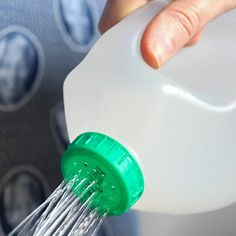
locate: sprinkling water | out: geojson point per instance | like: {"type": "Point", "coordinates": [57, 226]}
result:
{"type": "Point", "coordinates": [100, 177]}
{"type": "Point", "coordinates": [66, 212]}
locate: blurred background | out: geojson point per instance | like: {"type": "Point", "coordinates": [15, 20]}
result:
{"type": "Point", "coordinates": [41, 41]}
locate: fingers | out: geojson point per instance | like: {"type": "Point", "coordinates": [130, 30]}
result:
{"type": "Point", "coordinates": [178, 25]}
{"type": "Point", "coordinates": [115, 10]}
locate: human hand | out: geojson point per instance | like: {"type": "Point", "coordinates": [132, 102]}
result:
{"type": "Point", "coordinates": [180, 24]}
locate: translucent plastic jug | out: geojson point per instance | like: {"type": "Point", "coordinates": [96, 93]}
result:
{"type": "Point", "coordinates": [180, 120]}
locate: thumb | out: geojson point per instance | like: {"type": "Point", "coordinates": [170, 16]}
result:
{"type": "Point", "coordinates": [116, 10]}
{"type": "Point", "coordinates": [176, 25]}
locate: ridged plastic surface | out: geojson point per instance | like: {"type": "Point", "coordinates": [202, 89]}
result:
{"type": "Point", "coordinates": [95, 156]}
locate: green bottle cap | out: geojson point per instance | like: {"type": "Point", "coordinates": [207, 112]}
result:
{"type": "Point", "coordinates": [108, 167]}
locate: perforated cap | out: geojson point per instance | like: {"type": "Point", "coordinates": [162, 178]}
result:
{"type": "Point", "coordinates": [121, 181]}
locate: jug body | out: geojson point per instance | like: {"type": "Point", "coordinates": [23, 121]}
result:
{"type": "Point", "coordinates": [182, 134]}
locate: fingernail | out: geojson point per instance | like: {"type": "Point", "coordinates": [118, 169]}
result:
{"type": "Point", "coordinates": [162, 50]}
{"type": "Point", "coordinates": [151, 59]}
{"type": "Point", "coordinates": [149, 55]}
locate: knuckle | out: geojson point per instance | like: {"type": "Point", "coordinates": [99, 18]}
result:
{"type": "Point", "coordinates": [187, 20]}
{"type": "Point", "coordinates": [101, 27]}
